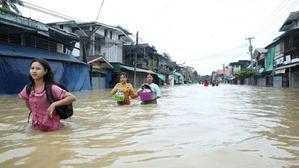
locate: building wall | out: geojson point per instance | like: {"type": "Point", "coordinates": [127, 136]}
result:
{"type": "Point", "coordinates": [32, 41]}
{"type": "Point", "coordinates": [277, 81]}
{"type": "Point", "coordinates": [269, 80]}
{"type": "Point", "coordinates": [294, 80]}
{"type": "Point", "coordinates": [236, 69]}
{"type": "Point", "coordinates": [101, 31]}
{"type": "Point", "coordinates": [250, 81]}
{"type": "Point", "coordinates": [113, 52]}
{"type": "Point", "coordinates": [261, 81]}
{"type": "Point", "coordinates": [98, 82]}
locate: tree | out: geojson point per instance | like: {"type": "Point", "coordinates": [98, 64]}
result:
{"type": "Point", "coordinates": [196, 76]}
{"type": "Point", "coordinates": [11, 5]}
{"type": "Point", "coordinates": [245, 73]}
{"type": "Point", "coordinates": [166, 55]}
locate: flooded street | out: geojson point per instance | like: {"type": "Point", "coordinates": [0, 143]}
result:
{"type": "Point", "coordinates": [192, 126]}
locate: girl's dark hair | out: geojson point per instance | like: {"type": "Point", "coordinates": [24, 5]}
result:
{"type": "Point", "coordinates": [150, 75]}
{"type": "Point", "coordinates": [48, 77]}
{"type": "Point", "coordinates": [124, 74]}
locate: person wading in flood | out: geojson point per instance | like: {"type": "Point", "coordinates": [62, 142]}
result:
{"type": "Point", "coordinates": [44, 117]}
{"type": "Point", "coordinates": [154, 89]}
{"type": "Point", "coordinates": [123, 90]}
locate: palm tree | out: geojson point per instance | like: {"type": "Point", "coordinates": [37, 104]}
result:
{"type": "Point", "coordinates": [10, 5]}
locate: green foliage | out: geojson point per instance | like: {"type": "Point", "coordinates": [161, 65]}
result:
{"type": "Point", "coordinates": [7, 11]}
{"type": "Point", "coordinates": [245, 73]}
{"type": "Point", "coordinates": [11, 5]}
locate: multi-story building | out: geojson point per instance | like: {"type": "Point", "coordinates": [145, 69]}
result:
{"type": "Point", "coordinates": [103, 42]}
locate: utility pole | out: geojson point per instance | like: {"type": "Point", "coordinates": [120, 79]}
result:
{"type": "Point", "coordinates": [135, 60]}
{"type": "Point", "coordinates": [223, 71]}
{"type": "Point", "coordinates": [250, 48]}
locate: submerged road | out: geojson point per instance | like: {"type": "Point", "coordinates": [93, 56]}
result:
{"type": "Point", "coordinates": [192, 126]}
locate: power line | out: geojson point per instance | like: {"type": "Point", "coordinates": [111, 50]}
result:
{"type": "Point", "coordinates": [160, 13]}
{"type": "Point", "coordinates": [277, 14]}
{"type": "Point", "coordinates": [48, 11]}
{"type": "Point", "coordinates": [269, 17]}
{"type": "Point", "coordinates": [232, 51]}
{"type": "Point", "coordinates": [100, 10]}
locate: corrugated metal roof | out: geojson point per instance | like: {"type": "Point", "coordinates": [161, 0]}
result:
{"type": "Point", "coordinates": [289, 21]}
{"type": "Point", "coordinates": [101, 59]}
{"type": "Point", "coordinates": [137, 69]}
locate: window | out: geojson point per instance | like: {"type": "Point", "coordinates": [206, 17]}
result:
{"type": "Point", "coordinates": [52, 46]}
{"type": "Point", "coordinates": [30, 41]}
{"type": "Point", "coordinates": [42, 44]}
{"type": "Point", "coordinates": [3, 36]}
{"type": "Point", "coordinates": [15, 39]}
{"type": "Point", "coordinates": [97, 45]}
{"type": "Point", "coordinates": [59, 48]}
{"type": "Point", "coordinates": [110, 34]}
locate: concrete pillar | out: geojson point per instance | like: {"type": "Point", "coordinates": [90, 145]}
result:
{"type": "Point", "coordinates": [290, 78]}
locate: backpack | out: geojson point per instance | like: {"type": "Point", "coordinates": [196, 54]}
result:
{"type": "Point", "coordinates": [65, 111]}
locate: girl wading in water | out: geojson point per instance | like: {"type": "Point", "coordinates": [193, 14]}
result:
{"type": "Point", "coordinates": [44, 117]}
{"type": "Point", "coordinates": [154, 88]}
{"type": "Point", "coordinates": [123, 90]}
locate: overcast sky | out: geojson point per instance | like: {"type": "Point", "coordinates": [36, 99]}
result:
{"type": "Point", "coordinates": [203, 34]}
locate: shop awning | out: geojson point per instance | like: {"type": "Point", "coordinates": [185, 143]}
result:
{"type": "Point", "coordinates": [281, 71]}
{"type": "Point", "coordinates": [177, 74]}
{"type": "Point", "coordinates": [161, 76]}
{"type": "Point", "coordinates": [229, 78]}
{"type": "Point", "coordinates": [286, 66]}
{"type": "Point", "coordinates": [102, 61]}
{"type": "Point", "coordinates": [137, 69]}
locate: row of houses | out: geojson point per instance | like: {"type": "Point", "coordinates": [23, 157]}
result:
{"type": "Point", "coordinates": [88, 55]}
{"type": "Point", "coordinates": [110, 50]}
{"type": "Point", "coordinates": [278, 63]}
{"type": "Point", "coordinates": [228, 74]}
{"type": "Point", "coordinates": [275, 65]}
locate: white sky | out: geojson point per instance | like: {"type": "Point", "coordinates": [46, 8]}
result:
{"type": "Point", "coordinates": [203, 34]}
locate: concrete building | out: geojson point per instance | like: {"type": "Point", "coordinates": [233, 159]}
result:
{"type": "Point", "coordinates": [99, 41]}
{"type": "Point", "coordinates": [260, 57]}
{"type": "Point", "coordinates": [286, 57]}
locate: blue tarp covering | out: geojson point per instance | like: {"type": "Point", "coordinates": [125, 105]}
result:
{"type": "Point", "coordinates": [229, 78]}
{"type": "Point", "coordinates": [15, 62]}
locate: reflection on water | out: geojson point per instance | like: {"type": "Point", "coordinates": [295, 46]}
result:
{"type": "Point", "coordinates": [192, 126]}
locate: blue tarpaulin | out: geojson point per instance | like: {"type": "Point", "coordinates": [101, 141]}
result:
{"type": "Point", "coordinates": [15, 63]}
